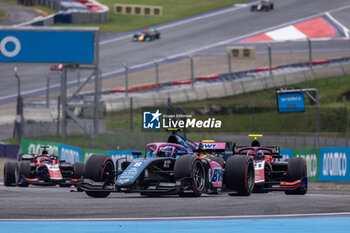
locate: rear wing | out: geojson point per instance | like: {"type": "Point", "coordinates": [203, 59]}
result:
{"type": "Point", "coordinates": [274, 150]}
{"type": "Point", "coordinates": [224, 148]}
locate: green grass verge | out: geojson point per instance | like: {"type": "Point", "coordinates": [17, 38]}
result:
{"type": "Point", "coordinates": [2, 14]}
{"type": "Point", "coordinates": [334, 96]}
{"type": "Point", "coordinates": [41, 9]}
{"type": "Point", "coordinates": [238, 115]}
{"type": "Point", "coordinates": [172, 10]}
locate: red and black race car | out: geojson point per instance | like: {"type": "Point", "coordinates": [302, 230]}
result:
{"type": "Point", "coordinates": [43, 169]}
{"type": "Point", "coordinates": [271, 172]}
{"type": "Point", "coordinates": [147, 35]}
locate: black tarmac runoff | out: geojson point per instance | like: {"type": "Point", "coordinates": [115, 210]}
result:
{"type": "Point", "coordinates": [60, 203]}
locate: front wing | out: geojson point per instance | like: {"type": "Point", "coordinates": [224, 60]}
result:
{"type": "Point", "coordinates": [286, 186]}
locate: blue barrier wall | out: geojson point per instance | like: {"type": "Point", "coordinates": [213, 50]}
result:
{"type": "Point", "coordinates": [9, 151]}
{"type": "Point", "coordinates": [324, 164]}
{"type": "Point", "coordinates": [70, 154]}
{"type": "Point", "coordinates": [334, 164]}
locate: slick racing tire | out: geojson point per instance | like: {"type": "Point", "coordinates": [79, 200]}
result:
{"type": "Point", "coordinates": [296, 171]}
{"type": "Point", "coordinates": [23, 171]}
{"type": "Point", "coordinates": [97, 168]}
{"type": "Point", "coordinates": [78, 170]}
{"type": "Point", "coordinates": [191, 167]}
{"type": "Point", "coordinates": [240, 174]}
{"type": "Point", "coordinates": [10, 173]}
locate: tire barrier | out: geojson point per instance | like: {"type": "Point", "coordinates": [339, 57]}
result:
{"type": "Point", "coordinates": [142, 10]}
{"type": "Point", "coordinates": [241, 52]}
{"type": "Point", "coordinates": [71, 11]}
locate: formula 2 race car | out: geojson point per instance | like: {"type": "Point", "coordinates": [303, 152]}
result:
{"type": "Point", "coordinates": [43, 169]}
{"type": "Point", "coordinates": [273, 174]}
{"type": "Point", "coordinates": [263, 5]}
{"type": "Point", "coordinates": [147, 35]}
{"type": "Point", "coordinates": [168, 168]}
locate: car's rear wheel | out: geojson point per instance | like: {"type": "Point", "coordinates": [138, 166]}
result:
{"type": "Point", "coordinates": [296, 171]}
{"type": "Point", "coordinates": [10, 173]}
{"type": "Point", "coordinates": [78, 170]}
{"type": "Point", "coordinates": [98, 168]}
{"type": "Point", "coordinates": [240, 174]}
{"type": "Point", "coordinates": [190, 168]}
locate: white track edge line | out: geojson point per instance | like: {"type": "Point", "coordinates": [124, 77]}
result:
{"type": "Point", "coordinates": [188, 218]}
{"type": "Point", "coordinates": [345, 29]}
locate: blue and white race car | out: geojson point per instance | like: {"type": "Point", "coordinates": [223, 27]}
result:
{"type": "Point", "coordinates": [172, 167]}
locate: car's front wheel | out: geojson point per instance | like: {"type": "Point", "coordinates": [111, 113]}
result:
{"type": "Point", "coordinates": [98, 168]}
{"type": "Point", "coordinates": [296, 171]}
{"type": "Point", "coordinates": [23, 171]}
{"type": "Point", "coordinates": [10, 173]}
{"type": "Point", "coordinates": [191, 169]}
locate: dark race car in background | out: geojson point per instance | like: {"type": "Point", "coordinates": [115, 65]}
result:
{"type": "Point", "coordinates": [271, 172]}
{"type": "Point", "coordinates": [169, 167]}
{"type": "Point", "coordinates": [264, 5]}
{"type": "Point", "coordinates": [43, 169]}
{"type": "Point", "coordinates": [147, 35]}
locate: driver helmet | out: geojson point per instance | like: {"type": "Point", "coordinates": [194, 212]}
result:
{"type": "Point", "coordinates": [251, 153]}
{"type": "Point", "coordinates": [165, 151]}
{"type": "Point", "coordinates": [150, 154]}
{"type": "Point", "coordinates": [259, 154]}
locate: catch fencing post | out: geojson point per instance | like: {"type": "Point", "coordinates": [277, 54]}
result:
{"type": "Point", "coordinates": [157, 74]}
{"type": "Point", "coordinates": [131, 114]}
{"type": "Point", "coordinates": [270, 63]}
{"type": "Point", "coordinates": [126, 78]}
{"type": "Point", "coordinates": [64, 101]}
{"type": "Point", "coordinates": [229, 64]}
{"type": "Point", "coordinates": [96, 102]}
{"type": "Point", "coordinates": [310, 53]}
{"type": "Point", "coordinates": [19, 112]}
{"type": "Point", "coordinates": [47, 90]}
{"type": "Point", "coordinates": [192, 72]}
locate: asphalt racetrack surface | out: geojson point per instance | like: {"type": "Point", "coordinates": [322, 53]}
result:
{"type": "Point", "coordinates": [59, 203]}
{"type": "Point", "coordinates": [183, 38]}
